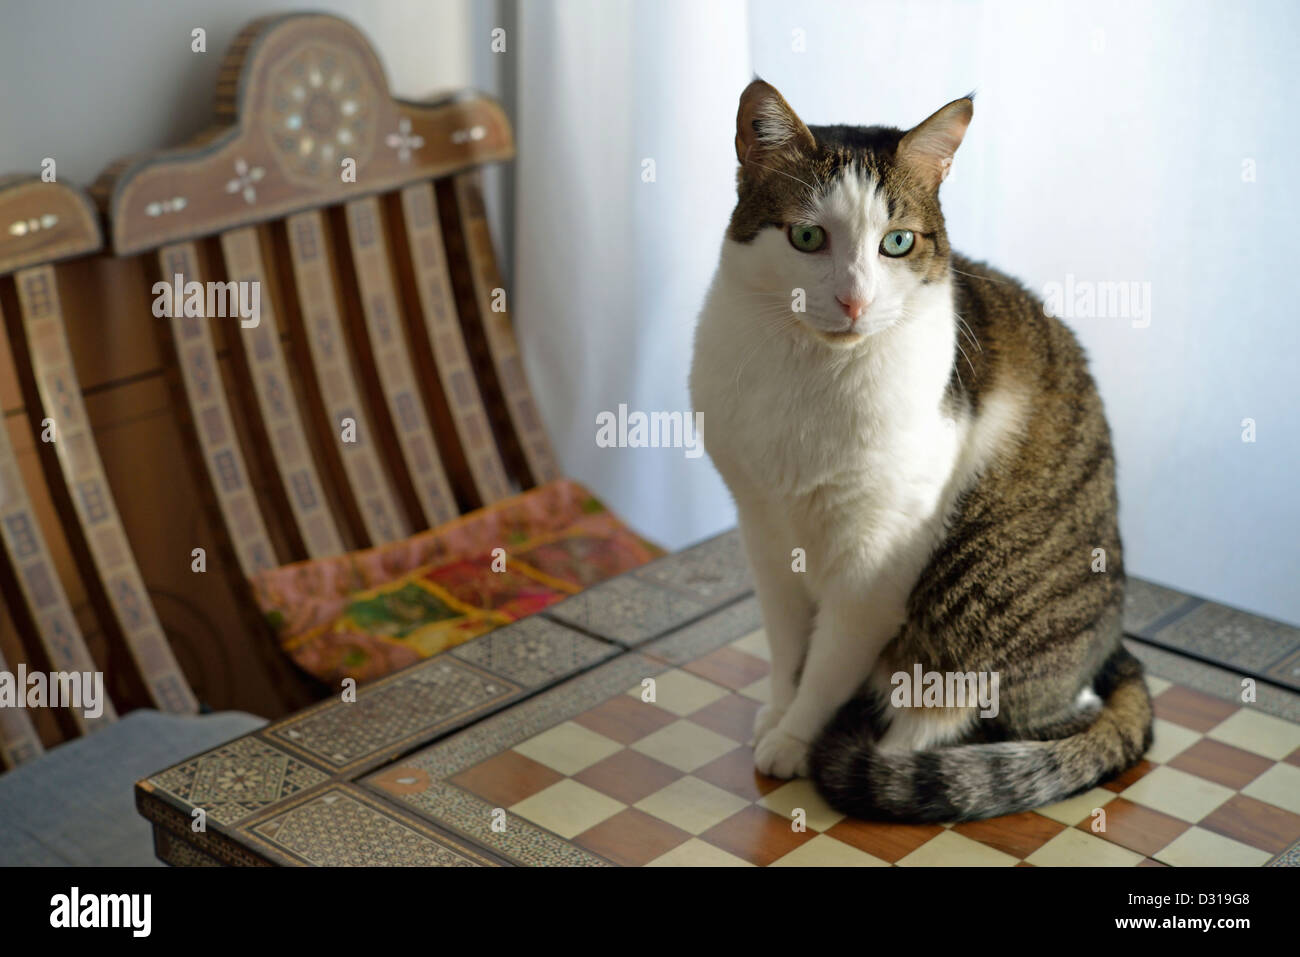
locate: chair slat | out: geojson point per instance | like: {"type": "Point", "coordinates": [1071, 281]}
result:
{"type": "Point", "coordinates": [475, 243]}
{"type": "Point", "coordinates": [19, 741]}
{"type": "Point", "coordinates": [38, 582]}
{"type": "Point", "coordinates": [318, 304]}
{"type": "Point", "coordinates": [277, 404]}
{"type": "Point", "coordinates": [384, 329]}
{"type": "Point", "coordinates": [205, 395]}
{"type": "Point", "coordinates": [449, 355]}
{"type": "Point", "coordinates": [98, 538]}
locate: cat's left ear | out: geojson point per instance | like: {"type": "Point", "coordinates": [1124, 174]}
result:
{"type": "Point", "coordinates": [766, 126]}
{"type": "Point", "coordinates": [928, 147]}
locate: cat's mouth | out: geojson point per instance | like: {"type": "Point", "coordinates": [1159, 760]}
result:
{"type": "Point", "coordinates": [852, 334]}
{"type": "Point", "coordinates": [841, 337]}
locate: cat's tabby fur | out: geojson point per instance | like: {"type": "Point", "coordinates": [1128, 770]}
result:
{"type": "Point", "coordinates": [997, 573]}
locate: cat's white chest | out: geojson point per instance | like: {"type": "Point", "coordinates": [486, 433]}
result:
{"type": "Point", "coordinates": [852, 462]}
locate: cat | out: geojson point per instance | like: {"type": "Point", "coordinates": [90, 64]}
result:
{"type": "Point", "coordinates": [923, 475]}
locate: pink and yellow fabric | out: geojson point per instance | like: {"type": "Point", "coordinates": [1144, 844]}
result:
{"type": "Point", "coordinates": [367, 613]}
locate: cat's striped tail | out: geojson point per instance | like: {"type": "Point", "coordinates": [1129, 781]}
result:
{"type": "Point", "coordinates": [971, 781]}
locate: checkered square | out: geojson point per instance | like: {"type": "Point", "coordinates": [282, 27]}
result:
{"type": "Point", "coordinates": [663, 775]}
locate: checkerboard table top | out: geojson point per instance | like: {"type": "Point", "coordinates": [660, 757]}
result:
{"type": "Point", "coordinates": [614, 730]}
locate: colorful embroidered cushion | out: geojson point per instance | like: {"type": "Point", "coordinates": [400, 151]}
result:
{"type": "Point", "coordinates": [367, 613]}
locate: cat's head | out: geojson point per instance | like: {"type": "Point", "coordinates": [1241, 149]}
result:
{"type": "Point", "coordinates": [848, 214]}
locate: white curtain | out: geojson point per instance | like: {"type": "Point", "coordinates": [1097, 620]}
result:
{"type": "Point", "coordinates": [610, 269]}
{"type": "Point", "coordinates": [1112, 142]}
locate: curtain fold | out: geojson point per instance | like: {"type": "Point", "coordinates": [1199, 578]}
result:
{"type": "Point", "coordinates": [625, 116]}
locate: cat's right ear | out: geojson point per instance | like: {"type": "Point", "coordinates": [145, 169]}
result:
{"type": "Point", "coordinates": [766, 126]}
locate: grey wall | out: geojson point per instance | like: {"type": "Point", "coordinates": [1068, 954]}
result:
{"type": "Point", "coordinates": [87, 81]}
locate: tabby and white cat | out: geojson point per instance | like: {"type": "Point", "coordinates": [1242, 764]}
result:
{"type": "Point", "coordinates": [935, 446]}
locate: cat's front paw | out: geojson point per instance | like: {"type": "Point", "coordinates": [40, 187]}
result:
{"type": "Point", "coordinates": [781, 755]}
{"type": "Point", "coordinates": [768, 717]}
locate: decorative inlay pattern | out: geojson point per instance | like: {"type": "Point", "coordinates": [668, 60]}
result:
{"type": "Point", "coordinates": [533, 651]}
{"type": "Point", "coordinates": [159, 207]}
{"type": "Point", "coordinates": [404, 141]}
{"type": "Point", "coordinates": [627, 610]}
{"type": "Point", "coordinates": [207, 401]}
{"type": "Point", "coordinates": [1217, 682]}
{"type": "Point", "coordinates": [178, 853]}
{"type": "Point", "coordinates": [322, 110]}
{"type": "Point", "coordinates": [237, 779]}
{"type": "Point", "coordinates": [521, 841]}
{"type": "Point", "coordinates": [43, 222]}
{"type": "Point", "coordinates": [714, 572]}
{"type": "Point", "coordinates": [1288, 858]}
{"type": "Point", "coordinates": [1146, 603]}
{"type": "Point", "coordinates": [468, 135]}
{"type": "Point", "coordinates": [485, 738]}
{"type": "Point", "coordinates": [270, 375]}
{"type": "Point", "coordinates": [709, 634]}
{"type": "Point", "coordinates": [383, 319]}
{"type": "Point", "coordinates": [19, 741]}
{"type": "Point", "coordinates": [420, 780]}
{"type": "Point", "coordinates": [395, 712]}
{"type": "Point", "coordinates": [1233, 638]}
{"type": "Point", "coordinates": [338, 829]}
{"type": "Point", "coordinates": [498, 331]}
{"type": "Point", "coordinates": [302, 97]}
{"type": "Point", "coordinates": [1287, 671]}
{"type": "Point", "coordinates": [314, 279]}
{"type": "Point", "coordinates": [179, 826]}
{"type": "Point", "coordinates": [448, 344]}
{"type": "Point", "coordinates": [83, 473]}
{"type": "Point", "coordinates": [246, 180]}
{"type": "Point", "coordinates": [22, 227]}
{"type": "Point", "coordinates": [56, 626]}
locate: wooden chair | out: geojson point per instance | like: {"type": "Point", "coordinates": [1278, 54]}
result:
{"type": "Point", "coordinates": [357, 292]}
{"type": "Point", "coordinates": [380, 392]}
{"type": "Point", "coordinates": [84, 788]}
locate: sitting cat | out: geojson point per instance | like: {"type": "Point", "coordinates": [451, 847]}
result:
{"type": "Point", "coordinates": [911, 426]}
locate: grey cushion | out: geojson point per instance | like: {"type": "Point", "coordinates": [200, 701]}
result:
{"type": "Point", "coordinates": [76, 804]}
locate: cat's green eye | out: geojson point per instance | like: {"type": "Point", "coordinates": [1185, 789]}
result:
{"type": "Point", "coordinates": [807, 239]}
{"type": "Point", "coordinates": [897, 242]}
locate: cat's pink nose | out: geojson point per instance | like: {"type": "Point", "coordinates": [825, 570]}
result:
{"type": "Point", "coordinates": [852, 307]}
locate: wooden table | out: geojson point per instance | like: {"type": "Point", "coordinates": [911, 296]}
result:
{"type": "Point", "coordinates": [534, 745]}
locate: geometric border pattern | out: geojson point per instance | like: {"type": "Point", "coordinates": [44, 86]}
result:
{"type": "Point", "coordinates": [1249, 644]}
{"type": "Point", "coordinates": [392, 714]}
{"type": "Point", "coordinates": [341, 827]}
{"type": "Point", "coordinates": [237, 779]}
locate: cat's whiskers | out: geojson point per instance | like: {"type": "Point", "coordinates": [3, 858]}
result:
{"type": "Point", "coordinates": [1002, 282]}
{"type": "Point", "coordinates": [957, 369]}
{"type": "Point", "coordinates": [964, 327]}
{"type": "Point", "coordinates": [772, 296]}
{"type": "Point", "coordinates": [782, 324]}
{"type": "Point", "coordinates": [906, 314]}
